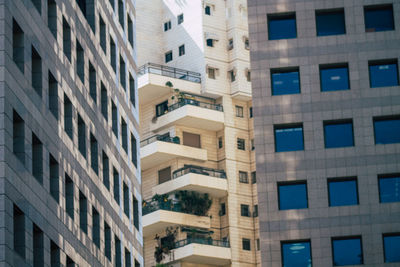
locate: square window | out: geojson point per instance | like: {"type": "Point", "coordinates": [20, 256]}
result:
{"type": "Point", "coordinates": [334, 77]}
{"type": "Point", "coordinates": [387, 129]}
{"type": "Point", "coordinates": [330, 22]}
{"type": "Point", "coordinates": [282, 26]}
{"type": "Point", "coordinates": [241, 145]}
{"type": "Point", "coordinates": [285, 81]}
{"type": "Point", "coordinates": [389, 188]}
{"type": "Point", "coordinates": [338, 134]}
{"type": "Point", "coordinates": [289, 138]}
{"type": "Point", "coordinates": [391, 246]}
{"type": "Point", "coordinates": [167, 25]}
{"type": "Point", "coordinates": [342, 192]}
{"type": "Point", "coordinates": [347, 251]}
{"type": "Point", "coordinates": [292, 195]}
{"type": "Point", "coordinates": [210, 42]}
{"type": "Point", "coordinates": [296, 253]}
{"type": "Point", "coordinates": [245, 244]}
{"type": "Point", "coordinates": [180, 19]}
{"type": "Point", "coordinates": [383, 73]}
{"type": "Point", "coordinates": [168, 56]}
{"type": "Point", "coordinates": [243, 177]}
{"type": "Point", "coordinates": [244, 210]}
{"type": "Point", "coordinates": [181, 50]}
{"type": "Point", "coordinates": [378, 18]}
{"type": "Point", "coordinates": [239, 111]}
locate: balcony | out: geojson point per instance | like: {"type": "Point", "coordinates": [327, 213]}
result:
{"type": "Point", "coordinates": [195, 178]}
{"type": "Point", "coordinates": [159, 149]}
{"type": "Point", "coordinates": [153, 77]}
{"type": "Point", "coordinates": [191, 113]}
{"type": "Point", "coordinates": [201, 251]}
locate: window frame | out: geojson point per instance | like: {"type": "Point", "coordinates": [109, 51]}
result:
{"type": "Point", "coordinates": [288, 126]}
{"type": "Point", "coordinates": [239, 112]}
{"type": "Point", "coordinates": [181, 50]}
{"type": "Point", "coordinates": [290, 183]}
{"type": "Point", "coordinates": [243, 210]}
{"type": "Point", "coordinates": [386, 176]}
{"type": "Point", "coordinates": [338, 122]}
{"type": "Point", "coordinates": [346, 238]}
{"type": "Point", "coordinates": [323, 67]}
{"type": "Point", "coordinates": [381, 62]}
{"type": "Point", "coordinates": [243, 244]}
{"type": "Point", "coordinates": [239, 144]}
{"type": "Point", "coordinates": [374, 8]}
{"type": "Point", "coordinates": [180, 18]}
{"type": "Point", "coordinates": [281, 71]}
{"type": "Point", "coordinates": [207, 10]}
{"type": "Point", "coordinates": [282, 16]}
{"type": "Point", "coordinates": [167, 54]}
{"type": "Point", "coordinates": [283, 242]}
{"type": "Point", "coordinates": [384, 247]}
{"type": "Point", "coordinates": [243, 177]}
{"type": "Point", "coordinates": [321, 12]}
{"type": "Point", "coordinates": [167, 25]}
{"type": "Point", "coordinates": [343, 179]}
{"type": "Point", "coordinates": [384, 118]}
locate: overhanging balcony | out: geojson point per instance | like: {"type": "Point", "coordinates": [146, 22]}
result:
{"type": "Point", "coordinates": [191, 113]}
{"type": "Point", "coordinates": [157, 150]}
{"type": "Point", "coordinates": [195, 178]}
{"type": "Point", "coordinates": [152, 79]}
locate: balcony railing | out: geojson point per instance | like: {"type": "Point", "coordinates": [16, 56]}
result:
{"type": "Point", "coordinates": [203, 241]}
{"type": "Point", "coordinates": [168, 204]}
{"type": "Point", "coordinates": [162, 138]}
{"type": "Point", "coordinates": [170, 72]}
{"type": "Point", "coordinates": [199, 170]}
{"type": "Point", "coordinates": [192, 102]}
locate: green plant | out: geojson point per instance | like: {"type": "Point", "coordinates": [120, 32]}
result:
{"type": "Point", "coordinates": [193, 202]}
{"type": "Point", "coordinates": [165, 244]}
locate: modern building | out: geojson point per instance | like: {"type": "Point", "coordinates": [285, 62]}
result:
{"type": "Point", "coordinates": [197, 153]}
{"type": "Point", "coordinates": [326, 100]}
{"type": "Point", "coordinates": [70, 174]}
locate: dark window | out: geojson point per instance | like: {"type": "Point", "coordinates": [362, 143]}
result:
{"type": "Point", "coordinates": [334, 77]}
{"type": "Point", "coordinates": [255, 211]}
{"type": "Point", "coordinates": [167, 25]}
{"type": "Point", "coordinates": [244, 210]}
{"type": "Point", "coordinates": [258, 244]}
{"type": "Point", "coordinates": [391, 246]}
{"type": "Point", "coordinates": [137, 264]}
{"type": "Point", "coordinates": [124, 135]}
{"type": "Point", "coordinates": [88, 9]}
{"type": "Point", "coordinates": [253, 177]}
{"type": "Point", "coordinates": [164, 175]}
{"type": "Point", "coordinates": [220, 142]}
{"type": "Point", "coordinates": [378, 18]}
{"type": "Point", "coordinates": [207, 10]}
{"type": "Point", "coordinates": [289, 138]}
{"type": "Point", "coordinates": [18, 46]}
{"type": "Point", "coordinates": [80, 62]}
{"type": "Point", "coordinates": [230, 44]}
{"type": "Point", "coordinates": [383, 73]}
{"type": "Point", "coordinates": [37, 81]}
{"type": "Point", "coordinates": [161, 108]}
{"type": "Point", "coordinates": [116, 185]}
{"type": "Point", "coordinates": [292, 195]}
{"type": "Point", "coordinates": [338, 134]}
{"type": "Point", "coordinates": [168, 56]}
{"type": "Point", "coordinates": [18, 137]}
{"type": "Point", "coordinates": [330, 22]}
{"type": "Point", "coordinates": [239, 111]}
{"type": "Point", "coordinates": [68, 117]}
{"type": "Point", "coordinates": [210, 42]}
{"type": "Point", "coordinates": [232, 75]}
{"type": "Point", "coordinates": [389, 188]}
{"type": "Point", "coordinates": [81, 136]}
{"type": "Point", "coordinates": [112, 3]}
{"type": "Point", "coordinates": [241, 144]}
{"type": "Point", "coordinates": [251, 112]}
{"type": "Point", "coordinates": [296, 253]}
{"type": "Point", "coordinates": [285, 81]}
{"type": "Point", "coordinates": [347, 251]}
{"type": "Point", "coordinates": [114, 115]}
{"type": "Point", "coordinates": [53, 95]}
{"type": "Point", "coordinates": [54, 255]}
{"type": "Point", "coordinates": [107, 241]}
{"type": "Point", "coordinates": [118, 255]}
{"type": "Point", "coordinates": [342, 192]}
{"type": "Point", "coordinates": [135, 212]}
{"type": "Point", "coordinates": [83, 210]}
{"type": "Point", "coordinates": [104, 102]}
{"type": "Point", "coordinates": [19, 231]}
{"type": "Point", "coordinates": [211, 73]}
{"type": "Point", "coordinates": [222, 210]}
{"type": "Point", "coordinates": [38, 5]}
{"type": "Point", "coordinates": [121, 14]}
{"type": "Point", "coordinates": [96, 227]}
{"type": "Point", "coordinates": [181, 50]}
{"type": "Point", "coordinates": [92, 82]}
{"type": "Point", "coordinates": [70, 262]}
{"type": "Point", "coordinates": [134, 150]}
{"type": "Point", "coordinates": [252, 144]}
{"type": "Point", "coordinates": [54, 178]}
{"type": "Point", "coordinates": [122, 73]}
{"type": "Point", "coordinates": [386, 130]}
{"type": "Point", "coordinates": [248, 73]}
{"type": "Point", "coordinates": [106, 171]}
{"type": "Point", "coordinates": [52, 17]}
{"type": "Point", "coordinates": [94, 154]}
{"type": "Point", "coordinates": [282, 26]}
{"type": "Point", "coordinates": [127, 258]}
{"type": "Point", "coordinates": [132, 90]}
{"type": "Point", "coordinates": [243, 177]}
{"type": "Point", "coordinates": [113, 55]}
{"type": "Point", "coordinates": [190, 139]}
{"type": "Point", "coordinates": [126, 199]}
{"type": "Point", "coordinates": [69, 196]}
{"type": "Point", "coordinates": [67, 39]}
{"type": "Point", "coordinates": [180, 19]}
{"type": "Point", "coordinates": [103, 35]}
{"type": "Point", "coordinates": [37, 158]}
{"type": "Point", "coordinates": [245, 244]}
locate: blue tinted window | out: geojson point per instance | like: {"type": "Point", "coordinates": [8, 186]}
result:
{"type": "Point", "coordinates": [292, 196]}
{"type": "Point", "coordinates": [330, 23]}
{"type": "Point", "coordinates": [282, 27]}
{"type": "Point", "coordinates": [381, 75]}
{"type": "Point", "coordinates": [391, 245]}
{"type": "Point", "coordinates": [285, 82]}
{"type": "Point", "coordinates": [387, 131]}
{"type": "Point", "coordinates": [347, 251]}
{"type": "Point", "coordinates": [342, 192]}
{"type": "Point", "coordinates": [334, 78]}
{"type": "Point", "coordinates": [289, 139]}
{"type": "Point", "coordinates": [338, 134]}
{"type": "Point", "coordinates": [296, 254]}
{"type": "Point", "coordinates": [378, 18]}
{"type": "Point", "coordinates": [389, 189]}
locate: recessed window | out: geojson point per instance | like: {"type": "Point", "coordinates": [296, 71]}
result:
{"type": "Point", "coordinates": [289, 138]}
{"type": "Point", "coordinates": [243, 177]}
{"type": "Point", "coordinates": [391, 246]}
{"type": "Point", "coordinates": [104, 102]}
{"type": "Point", "coordinates": [251, 112]}
{"type": "Point", "coordinates": [211, 73]}
{"type": "Point", "coordinates": [245, 244]}
{"type": "Point", "coordinates": [342, 192]}
{"type": "Point", "coordinates": [334, 77]}
{"type": "Point", "coordinates": [168, 56]}
{"type": "Point", "coordinates": [292, 195]}
{"type": "Point", "coordinates": [255, 211]}
{"type": "Point", "coordinates": [125, 190]}
{"type": "Point", "coordinates": [135, 212]}
{"type": "Point", "coordinates": [191, 139]}
{"type": "Point", "coordinates": [230, 44]}
{"type": "Point", "coordinates": [239, 111]}
{"type": "Point", "coordinates": [114, 116]}
{"type": "Point", "coordinates": [220, 142]}
{"type": "Point", "coordinates": [54, 178]}
{"type": "Point", "coordinates": [207, 10]}
{"type": "Point", "coordinates": [67, 39]}
{"type": "Point", "coordinates": [52, 17]}
{"type": "Point", "coordinates": [37, 82]}
{"type": "Point", "coordinates": [113, 54]}
{"type": "Point", "coordinates": [68, 116]}
{"type": "Point", "coordinates": [117, 252]}
{"type": "Point", "coordinates": [246, 43]}
{"type": "Point", "coordinates": [69, 196]}
{"type": "Point", "coordinates": [248, 75]}
{"type": "Point", "coordinates": [180, 19]}
{"type": "Point", "coordinates": [347, 251]}
{"type": "Point", "coordinates": [53, 95]}
{"type": "Point", "coordinates": [296, 253]}
{"type": "Point", "coordinates": [83, 223]}
{"type": "Point", "coordinates": [37, 158]}
{"type": "Point", "coordinates": [121, 13]}
{"type": "Point", "coordinates": [103, 34]}
{"type": "Point", "coordinates": [389, 188]}
{"type": "Point", "coordinates": [387, 129]}
{"type": "Point", "coordinates": [252, 144]}
{"type": "Point", "coordinates": [241, 144]}
{"type": "Point", "coordinates": [161, 108]}
{"type": "Point", "coordinates": [130, 31]}
{"type": "Point", "coordinates": [378, 18]}
{"type": "Point", "coordinates": [80, 62]}
{"type": "Point", "coordinates": [94, 154]}
{"type": "Point", "coordinates": [222, 210]}
{"type": "Point", "coordinates": [244, 210]}
{"type": "Point", "coordinates": [106, 170]}
{"type": "Point", "coordinates": [122, 73]}
{"type": "Point", "coordinates": [167, 25]}
{"type": "Point", "coordinates": [107, 241]}
{"type": "Point", "coordinates": [181, 50]}
{"type": "Point", "coordinates": [116, 186]}
{"type": "Point", "coordinates": [18, 137]}
{"type": "Point", "coordinates": [330, 22]}
{"type": "Point", "coordinates": [92, 82]}
{"type": "Point", "coordinates": [18, 46]}
{"type": "Point", "coordinates": [338, 133]}
{"type": "Point", "coordinates": [210, 42]}
{"type": "Point", "coordinates": [383, 73]}
{"type": "Point", "coordinates": [253, 177]}
{"type": "Point", "coordinates": [19, 231]}
{"type": "Point", "coordinates": [282, 26]}
{"type": "Point", "coordinates": [232, 75]}
{"type": "Point", "coordinates": [285, 81]}
{"type": "Point", "coordinates": [96, 227]}
{"type": "Point", "coordinates": [124, 135]}
{"type": "Point", "coordinates": [81, 136]}
{"type": "Point", "coordinates": [164, 175]}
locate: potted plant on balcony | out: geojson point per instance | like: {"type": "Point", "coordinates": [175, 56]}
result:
{"type": "Point", "coordinates": [165, 244]}
{"type": "Point", "coordinates": [193, 202]}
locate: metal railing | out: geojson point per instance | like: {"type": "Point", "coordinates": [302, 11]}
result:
{"type": "Point", "coordinates": [192, 102]}
{"type": "Point", "coordinates": [162, 138]}
{"type": "Point", "coordinates": [170, 72]}
{"type": "Point", "coordinates": [199, 170]}
{"type": "Point", "coordinates": [203, 241]}
{"type": "Point", "coordinates": [152, 206]}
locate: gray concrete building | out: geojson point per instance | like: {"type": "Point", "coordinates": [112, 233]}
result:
{"type": "Point", "coordinates": [70, 176]}
{"type": "Point", "coordinates": [326, 102]}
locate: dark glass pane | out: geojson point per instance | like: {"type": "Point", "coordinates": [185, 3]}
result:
{"type": "Point", "coordinates": [379, 19]}
{"type": "Point", "coordinates": [383, 75]}
{"type": "Point", "coordinates": [284, 83]}
{"type": "Point", "coordinates": [338, 135]}
{"type": "Point", "coordinates": [330, 23]}
{"type": "Point", "coordinates": [292, 196]}
{"type": "Point", "coordinates": [392, 248]}
{"type": "Point", "coordinates": [289, 139]}
{"type": "Point", "coordinates": [342, 193]}
{"type": "Point", "coordinates": [333, 79]}
{"type": "Point", "coordinates": [282, 27]}
{"type": "Point", "coordinates": [387, 131]}
{"type": "Point", "coordinates": [389, 189]}
{"type": "Point", "coordinates": [347, 252]}
{"type": "Point", "coordinates": [296, 254]}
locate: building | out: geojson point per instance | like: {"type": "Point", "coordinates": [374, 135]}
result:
{"type": "Point", "coordinates": [70, 179]}
{"type": "Point", "coordinates": [196, 134]}
{"type": "Point", "coordinates": [325, 82]}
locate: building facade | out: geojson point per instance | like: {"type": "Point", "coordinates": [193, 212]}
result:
{"type": "Point", "coordinates": [326, 100]}
{"type": "Point", "coordinates": [199, 181]}
{"type": "Point", "coordinates": [70, 179]}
